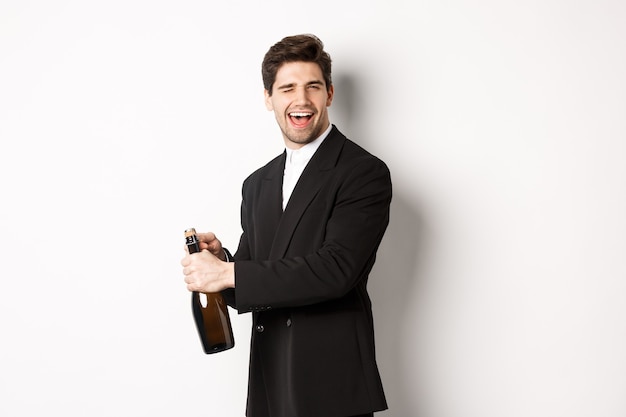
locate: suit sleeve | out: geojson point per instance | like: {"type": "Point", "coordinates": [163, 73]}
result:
{"type": "Point", "coordinates": [345, 233]}
{"type": "Point", "coordinates": [229, 293]}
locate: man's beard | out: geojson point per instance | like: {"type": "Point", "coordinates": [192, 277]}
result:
{"type": "Point", "coordinates": [301, 137]}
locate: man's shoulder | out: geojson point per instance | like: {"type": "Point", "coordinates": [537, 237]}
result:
{"type": "Point", "coordinates": [268, 170]}
{"type": "Point", "coordinates": [353, 153]}
{"type": "Point", "coordinates": [348, 150]}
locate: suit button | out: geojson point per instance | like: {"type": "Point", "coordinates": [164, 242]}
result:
{"type": "Point", "coordinates": [260, 328]}
{"type": "Point", "coordinates": [289, 322]}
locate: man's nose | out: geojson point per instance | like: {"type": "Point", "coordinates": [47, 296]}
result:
{"type": "Point", "coordinates": [302, 95]}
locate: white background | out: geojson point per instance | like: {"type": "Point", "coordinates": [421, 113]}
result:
{"type": "Point", "coordinates": [499, 290]}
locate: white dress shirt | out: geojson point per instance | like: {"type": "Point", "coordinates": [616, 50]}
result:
{"type": "Point", "coordinates": [297, 160]}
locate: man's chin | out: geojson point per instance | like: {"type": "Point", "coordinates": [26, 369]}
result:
{"type": "Point", "coordinates": [300, 138]}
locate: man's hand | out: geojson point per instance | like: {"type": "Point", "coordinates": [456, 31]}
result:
{"type": "Point", "coordinates": [206, 271]}
{"type": "Point", "coordinates": [211, 243]}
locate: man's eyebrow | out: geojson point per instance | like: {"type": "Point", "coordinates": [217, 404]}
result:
{"type": "Point", "coordinates": [285, 86]}
{"type": "Point", "coordinates": [314, 82]}
{"type": "Point", "coordinates": [292, 85]}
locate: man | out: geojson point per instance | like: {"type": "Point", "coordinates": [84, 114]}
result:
{"type": "Point", "coordinates": [312, 221]}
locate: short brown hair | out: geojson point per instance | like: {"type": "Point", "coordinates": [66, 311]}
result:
{"type": "Point", "coordinates": [304, 48]}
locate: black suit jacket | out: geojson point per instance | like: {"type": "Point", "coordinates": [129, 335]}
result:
{"type": "Point", "coordinates": [303, 274]}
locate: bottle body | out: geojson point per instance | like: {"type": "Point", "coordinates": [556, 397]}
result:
{"type": "Point", "coordinates": [211, 317]}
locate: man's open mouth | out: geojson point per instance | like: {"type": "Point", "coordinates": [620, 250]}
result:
{"type": "Point", "coordinates": [299, 118]}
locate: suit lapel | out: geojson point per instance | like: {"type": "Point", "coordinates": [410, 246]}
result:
{"type": "Point", "coordinates": [268, 207]}
{"type": "Point", "coordinates": [312, 179]}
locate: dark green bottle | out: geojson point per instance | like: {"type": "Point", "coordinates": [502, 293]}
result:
{"type": "Point", "coordinates": [212, 319]}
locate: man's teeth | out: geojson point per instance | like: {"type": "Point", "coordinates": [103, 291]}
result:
{"type": "Point", "coordinates": [297, 114]}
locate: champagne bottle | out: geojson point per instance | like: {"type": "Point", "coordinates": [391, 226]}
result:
{"type": "Point", "coordinates": [212, 319]}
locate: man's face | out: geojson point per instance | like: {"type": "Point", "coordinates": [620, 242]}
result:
{"type": "Point", "coordinates": [299, 100]}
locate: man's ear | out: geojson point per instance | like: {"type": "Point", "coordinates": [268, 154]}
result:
{"type": "Point", "coordinates": [331, 94]}
{"type": "Point", "coordinates": [268, 100]}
